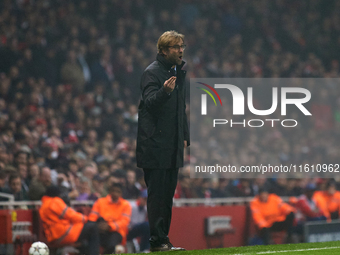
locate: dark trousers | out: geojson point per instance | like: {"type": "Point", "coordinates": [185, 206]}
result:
{"type": "Point", "coordinates": [161, 185]}
{"type": "Point", "coordinates": [109, 240]}
{"type": "Point", "coordinates": [287, 225]}
{"type": "Point", "coordinates": [89, 238]}
{"type": "Point", "coordinates": [335, 215]}
{"type": "Point", "coordinates": [140, 230]}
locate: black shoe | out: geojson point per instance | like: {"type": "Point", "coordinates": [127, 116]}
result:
{"type": "Point", "coordinates": [173, 248]}
{"type": "Point", "coordinates": [162, 247]}
{"type": "Point", "coordinates": [166, 247]}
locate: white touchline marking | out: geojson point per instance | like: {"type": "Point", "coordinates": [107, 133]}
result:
{"type": "Point", "coordinates": [310, 249]}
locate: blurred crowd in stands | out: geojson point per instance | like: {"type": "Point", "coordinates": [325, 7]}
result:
{"type": "Point", "coordinates": [69, 87]}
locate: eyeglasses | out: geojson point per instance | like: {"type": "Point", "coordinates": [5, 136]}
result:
{"type": "Point", "coordinates": [177, 47]}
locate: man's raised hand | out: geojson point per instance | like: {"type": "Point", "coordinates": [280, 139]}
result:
{"type": "Point", "coordinates": [169, 85]}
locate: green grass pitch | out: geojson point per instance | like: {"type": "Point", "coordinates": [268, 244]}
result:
{"type": "Point", "coordinates": [284, 249]}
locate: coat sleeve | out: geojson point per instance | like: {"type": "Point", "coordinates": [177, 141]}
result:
{"type": "Point", "coordinates": [67, 213]}
{"type": "Point", "coordinates": [258, 218]}
{"type": "Point", "coordinates": [284, 207]}
{"type": "Point", "coordinates": [185, 121]}
{"type": "Point", "coordinates": [94, 214]}
{"type": "Point", "coordinates": [124, 219]}
{"type": "Point", "coordinates": [153, 96]}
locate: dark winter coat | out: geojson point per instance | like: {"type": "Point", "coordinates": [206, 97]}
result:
{"type": "Point", "coordinates": [162, 121]}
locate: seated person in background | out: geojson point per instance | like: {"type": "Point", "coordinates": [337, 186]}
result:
{"type": "Point", "coordinates": [271, 214]}
{"type": "Point", "coordinates": [3, 179]}
{"type": "Point", "coordinates": [328, 200]}
{"type": "Point", "coordinates": [184, 188]}
{"type": "Point", "coordinates": [3, 182]}
{"type": "Point", "coordinates": [85, 190]}
{"type": "Point", "coordinates": [15, 188]}
{"type": "Point", "coordinates": [113, 215]}
{"type": "Point", "coordinates": [63, 225]}
{"type": "Point", "coordinates": [38, 186]}
{"type": "Point", "coordinates": [139, 225]}
{"type": "Point", "coordinates": [307, 208]}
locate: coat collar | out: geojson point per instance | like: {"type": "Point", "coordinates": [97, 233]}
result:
{"type": "Point", "coordinates": [166, 64]}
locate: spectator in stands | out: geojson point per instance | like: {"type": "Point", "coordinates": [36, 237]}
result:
{"type": "Point", "coordinates": [113, 214]}
{"type": "Point", "coordinates": [38, 186]}
{"type": "Point", "coordinates": [131, 190]}
{"type": "Point", "coordinates": [15, 187]}
{"type": "Point", "coordinates": [224, 189]}
{"type": "Point", "coordinates": [271, 214]}
{"type": "Point", "coordinates": [20, 158]}
{"type": "Point", "coordinates": [33, 173]}
{"type": "Point", "coordinates": [184, 188]}
{"type": "Point", "coordinates": [22, 170]}
{"type": "Point", "coordinates": [68, 188]}
{"type": "Point", "coordinates": [3, 180]}
{"type": "Point", "coordinates": [204, 190]}
{"type": "Point", "coordinates": [85, 190]}
{"type": "Point", "coordinates": [259, 183]}
{"type": "Point", "coordinates": [63, 225]}
{"type": "Point", "coordinates": [243, 188]}
{"type": "Point", "coordinates": [73, 166]}
{"type": "Point", "coordinates": [328, 200]}
{"type": "Point", "coordinates": [98, 184]}
{"type": "Point", "coordinates": [139, 225]}
{"type": "Point", "coordinates": [102, 70]}
{"type": "Point", "coordinates": [72, 72]}
{"type": "Point", "coordinates": [90, 171]}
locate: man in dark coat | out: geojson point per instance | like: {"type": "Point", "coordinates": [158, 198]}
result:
{"type": "Point", "coordinates": [163, 134]}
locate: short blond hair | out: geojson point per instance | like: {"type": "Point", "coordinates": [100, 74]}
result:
{"type": "Point", "coordinates": [168, 38]}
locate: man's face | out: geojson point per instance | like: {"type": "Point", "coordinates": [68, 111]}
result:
{"type": "Point", "coordinates": [174, 53]}
{"type": "Point", "coordinates": [22, 158]}
{"type": "Point", "coordinates": [73, 167]}
{"type": "Point", "coordinates": [34, 171]}
{"type": "Point", "coordinates": [131, 177]}
{"type": "Point", "coordinates": [115, 193]}
{"type": "Point", "coordinates": [2, 183]}
{"type": "Point", "coordinates": [15, 185]}
{"type": "Point", "coordinates": [264, 196]}
{"type": "Point", "coordinates": [23, 171]}
{"type": "Point", "coordinates": [45, 177]}
{"type": "Point", "coordinates": [331, 190]}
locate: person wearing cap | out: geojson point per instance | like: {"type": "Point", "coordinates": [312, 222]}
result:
{"type": "Point", "coordinates": [139, 225]}
{"type": "Point", "coordinates": [63, 225]}
{"type": "Point", "coordinates": [271, 214]}
{"type": "Point", "coordinates": [113, 214]}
